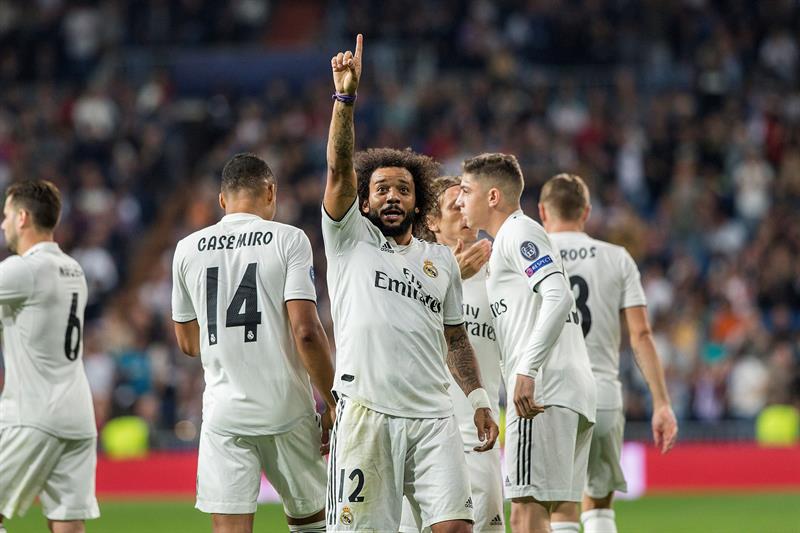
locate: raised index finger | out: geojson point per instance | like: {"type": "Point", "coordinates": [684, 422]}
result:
{"type": "Point", "coordinates": [359, 46]}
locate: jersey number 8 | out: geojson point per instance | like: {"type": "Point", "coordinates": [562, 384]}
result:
{"type": "Point", "coordinates": [244, 298]}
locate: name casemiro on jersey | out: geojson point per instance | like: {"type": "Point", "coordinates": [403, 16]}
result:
{"type": "Point", "coordinates": [232, 242]}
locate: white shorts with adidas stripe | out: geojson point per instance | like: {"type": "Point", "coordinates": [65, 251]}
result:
{"type": "Point", "coordinates": [486, 482]}
{"type": "Point", "coordinates": [546, 457]}
{"type": "Point", "coordinates": [376, 459]}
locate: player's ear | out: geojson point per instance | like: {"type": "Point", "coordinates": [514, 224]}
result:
{"type": "Point", "coordinates": [365, 206]}
{"type": "Point", "coordinates": [494, 197]}
{"type": "Point", "coordinates": [542, 213]}
{"type": "Point", "coordinates": [586, 213]}
{"type": "Point", "coordinates": [433, 224]}
{"type": "Point", "coordinates": [222, 201]}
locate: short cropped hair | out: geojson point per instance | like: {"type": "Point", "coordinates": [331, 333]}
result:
{"type": "Point", "coordinates": [40, 198]}
{"type": "Point", "coordinates": [423, 169]}
{"type": "Point", "coordinates": [502, 169]}
{"type": "Point", "coordinates": [246, 171]}
{"type": "Point", "coordinates": [566, 195]}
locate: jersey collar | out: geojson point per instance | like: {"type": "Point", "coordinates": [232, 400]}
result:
{"type": "Point", "coordinates": [233, 217]}
{"type": "Point", "coordinates": [515, 214]}
{"type": "Point", "coordinates": [46, 245]}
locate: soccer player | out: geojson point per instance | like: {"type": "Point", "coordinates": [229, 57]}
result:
{"type": "Point", "coordinates": [548, 376]}
{"type": "Point", "coordinates": [607, 283]}
{"type": "Point", "coordinates": [48, 437]}
{"type": "Point", "coordinates": [447, 226]}
{"type": "Point", "coordinates": [396, 305]}
{"type": "Point", "coordinates": [243, 299]}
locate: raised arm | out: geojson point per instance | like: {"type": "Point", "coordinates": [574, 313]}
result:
{"type": "Point", "coordinates": [464, 366]}
{"type": "Point", "coordinates": [341, 190]}
{"type": "Point", "coordinates": [665, 427]}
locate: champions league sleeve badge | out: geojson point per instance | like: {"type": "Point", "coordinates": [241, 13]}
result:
{"type": "Point", "coordinates": [529, 250]}
{"type": "Point", "coordinates": [429, 268]}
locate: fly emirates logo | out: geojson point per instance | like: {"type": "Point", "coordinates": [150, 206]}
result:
{"type": "Point", "coordinates": [410, 288]}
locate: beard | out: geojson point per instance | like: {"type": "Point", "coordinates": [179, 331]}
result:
{"type": "Point", "coordinates": [391, 231]}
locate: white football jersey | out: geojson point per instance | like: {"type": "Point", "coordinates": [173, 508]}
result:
{"type": "Point", "coordinates": [484, 341]}
{"type": "Point", "coordinates": [234, 277]}
{"type": "Point", "coordinates": [522, 256]}
{"type": "Point", "coordinates": [42, 299]}
{"type": "Point", "coordinates": [390, 304]}
{"type": "Point", "coordinates": [605, 280]}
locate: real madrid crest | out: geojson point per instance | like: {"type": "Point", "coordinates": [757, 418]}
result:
{"type": "Point", "coordinates": [346, 517]}
{"type": "Point", "coordinates": [429, 268]}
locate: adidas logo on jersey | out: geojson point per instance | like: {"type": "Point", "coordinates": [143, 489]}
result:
{"type": "Point", "coordinates": [386, 247]}
{"type": "Point", "coordinates": [468, 504]}
{"type": "Point", "coordinates": [496, 521]}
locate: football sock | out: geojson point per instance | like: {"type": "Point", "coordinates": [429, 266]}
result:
{"type": "Point", "coordinates": [565, 527]}
{"type": "Point", "coordinates": [599, 521]}
{"type": "Point", "coordinates": [314, 527]}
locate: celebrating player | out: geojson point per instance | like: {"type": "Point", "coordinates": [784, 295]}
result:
{"type": "Point", "coordinates": [243, 299]}
{"type": "Point", "coordinates": [607, 283]}
{"type": "Point", "coordinates": [447, 226]}
{"type": "Point", "coordinates": [48, 437]}
{"type": "Point", "coordinates": [396, 305]}
{"type": "Point", "coordinates": [546, 366]}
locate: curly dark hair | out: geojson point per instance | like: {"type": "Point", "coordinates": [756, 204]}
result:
{"type": "Point", "coordinates": [423, 169]}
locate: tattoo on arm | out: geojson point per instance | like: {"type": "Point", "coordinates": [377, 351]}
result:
{"type": "Point", "coordinates": [461, 359]}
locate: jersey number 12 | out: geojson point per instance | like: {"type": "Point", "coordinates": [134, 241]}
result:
{"type": "Point", "coordinates": [243, 309]}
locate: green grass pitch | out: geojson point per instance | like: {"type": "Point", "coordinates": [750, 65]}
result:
{"type": "Point", "coordinates": [701, 513]}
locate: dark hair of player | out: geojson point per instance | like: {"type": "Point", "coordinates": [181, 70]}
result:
{"type": "Point", "coordinates": [502, 169]}
{"type": "Point", "coordinates": [246, 171]}
{"type": "Point", "coordinates": [566, 195]}
{"type": "Point", "coordinates": [40, 198]}
{"type": "Point", "coordinates": [423, 169]}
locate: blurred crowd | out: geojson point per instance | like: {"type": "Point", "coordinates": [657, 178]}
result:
{"type": "Point", "coordinates": [683, 117]}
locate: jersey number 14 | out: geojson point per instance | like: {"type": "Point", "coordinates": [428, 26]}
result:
{"type": "Point", "coordinates": [243, 309]}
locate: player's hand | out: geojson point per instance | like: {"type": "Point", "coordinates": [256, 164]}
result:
{"type": "Point", "coordinates": [326, 422]}
{"type": "Point", "coordinates": [523, 397]}
{"type": "Point", "coordinates": [473, 258]}
{"type": "Point", "coordinates": [347, 69]}
{"type": "Point", "coordinates": [665, 428]}
{"type": "Point", "coordinates": [487, 429]}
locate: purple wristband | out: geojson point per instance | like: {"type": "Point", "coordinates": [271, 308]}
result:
{"type": "Point", "coordinates": [344, 98]}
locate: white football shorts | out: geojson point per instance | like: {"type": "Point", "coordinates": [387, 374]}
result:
{"type": "Point", "coordinates": [60, 471]}
{"type": "Point", "coordinates": [604, 474]}
{"type": "Point", "coordinates": [546, 457]}
{"type": "Point", "coordinates": [229, 470]}
{"type": "Point", "coordinates": [486, 484]}
{"type": "Point", "coordinates": [376, 459]}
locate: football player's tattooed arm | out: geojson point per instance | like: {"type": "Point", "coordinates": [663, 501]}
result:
{"type": "Point", "coordinates": [340, 189]}
{"type": "Point", "coordinates": [461, 359]}
{"type": "Point", "coordinates": [188, 336]}
{"type": "Point", "coordinates": [464, 367]}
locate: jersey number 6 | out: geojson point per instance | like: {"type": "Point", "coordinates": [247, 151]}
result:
{"type": "Point", "coordinates": [244, 298]}
{"type": "Point", "coordinates": [72, 346]}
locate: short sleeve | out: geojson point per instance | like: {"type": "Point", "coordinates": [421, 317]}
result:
{"type": "Point", "coordinates": [530, 252]}
{"type": "Point", "coordinates": [632, 290]}
{"type": "Point", "coordinates": [16, 281]}
{"type": "Point", "coordinates": [339, 235]}
{"type": "Point", "coordinates": [182, 308]}
{"type": "Point", "coordinates": [453, 298]}
{"type": "Point", "coordinates": [299, 269]}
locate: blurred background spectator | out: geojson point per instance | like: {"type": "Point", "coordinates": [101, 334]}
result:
{"type": "Point", "coordinates": [684, 117]}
